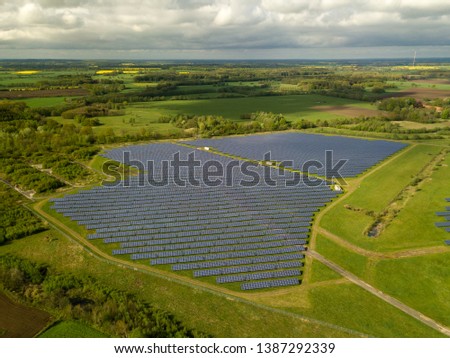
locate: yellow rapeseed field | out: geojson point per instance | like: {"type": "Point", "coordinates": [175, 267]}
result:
{"type": "Point", "coordinates": [105, 72]}
{"type": "Point", "coordinates": [33, 72]}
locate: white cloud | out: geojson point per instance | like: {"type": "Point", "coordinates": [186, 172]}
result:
{"type": "Point", "coordinates": [216, 25]}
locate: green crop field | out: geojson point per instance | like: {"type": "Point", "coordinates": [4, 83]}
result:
{"type": "Point", "coordinates": [293, 107]}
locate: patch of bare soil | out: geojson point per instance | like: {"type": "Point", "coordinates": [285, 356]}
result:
{"type": "Point", "coordinates": [18, 321]}
{"type": "Point", "coordinates": [347, 111]}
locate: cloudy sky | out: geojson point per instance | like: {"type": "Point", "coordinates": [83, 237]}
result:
{"type": "Point", "coordinates": [241, 29]}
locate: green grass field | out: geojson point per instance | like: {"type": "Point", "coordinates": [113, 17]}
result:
{"type": "Point", "coordinates": [71, 329]}
{"type": "Point", "coordinates": [414, 225]}
{"type": "Point", "coordinates": [145, 116]}
{"type": "Point", "coordinates": [350, 261]}
{"type": "Point", "coordinates": [421, 282]}
{"type": "Point", "coordinates": [320, 272]}
{"type": "Point", "coordinates": [292, 107]}
{"type": "Point", "coordinates": [374, 194]}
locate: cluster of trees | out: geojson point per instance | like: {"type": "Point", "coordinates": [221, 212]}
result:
{"type": "Point", "coordinates": [95, 110]}
{"type": "Point", "coordinates": [408, 109]}
{"type": "Point", "coordinates": [28, 178]}
{"type": "Point", "coordinates": [65, 168]}
{"type": "Point", "coordinates": [10, 111]}
{"type": "Point", "coordinates": [83, 298]}
{"type": "Point", "coordinates": [16, 222]}
{"type": "Point", "coordinates": [382, 124]}
{"type": "Point", "coordinates": [208, 126]}
{"type": "Point", "coordinates": [26, 142]}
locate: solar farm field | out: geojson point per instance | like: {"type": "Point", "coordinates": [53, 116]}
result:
{"type": "Point", "coordinates": [238, 232]}
{"type": "Point", "coordinates": [247, 231]}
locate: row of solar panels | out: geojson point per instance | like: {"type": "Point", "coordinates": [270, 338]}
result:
{"type": "Point", "coordinates": [136, 183]}
{"type": "Point", "coordinates": [202, 243]}
{"type": "Point", "coordinates": [79, 218]}
{"type": "Point", "coordinates": [258, 276]}
{"type": "Point", "coordinates": [204, 231]}
{"type": "Point", "coordinates": [218, 256]}
{"type": "Point", "coordinates": [156, 229]}
{"type": "Point", "coordinates": [248, 268]}
{"type": "Point", "coordinates": [175, 240]}
{"type": "Point", "coordinates": [192, 207]}
{"type": "Point", "coordinates": [283, 218]}
{"type": "Point", "coordinates": [172, 192]}
{"type": "Point", "coordinates": [232, 263]}
{"type": "Point", "coordinates": [161, 198]}
{"type": "Point", "coordinates": [188, 216]}
{"type": "Point", "coordinates": [200, 207]}
{"type": "Point", "coordinates": [270, 284]}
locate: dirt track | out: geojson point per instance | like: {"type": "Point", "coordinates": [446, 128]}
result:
{"type": "Point", "coordinates": [18, 321]}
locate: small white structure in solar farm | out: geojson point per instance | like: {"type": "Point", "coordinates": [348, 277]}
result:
{"type": "Point", "coordinates": [206, 148]}
{"type": "Point", "coordinates": [337, 188]}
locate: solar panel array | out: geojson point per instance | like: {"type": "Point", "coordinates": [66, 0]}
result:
{"type": "Point", "coordinates": [444, 224]}
{"type": "Point", "coordinates": [300, 148]}
{"type": "Point", "coordinates": [232, 232]}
